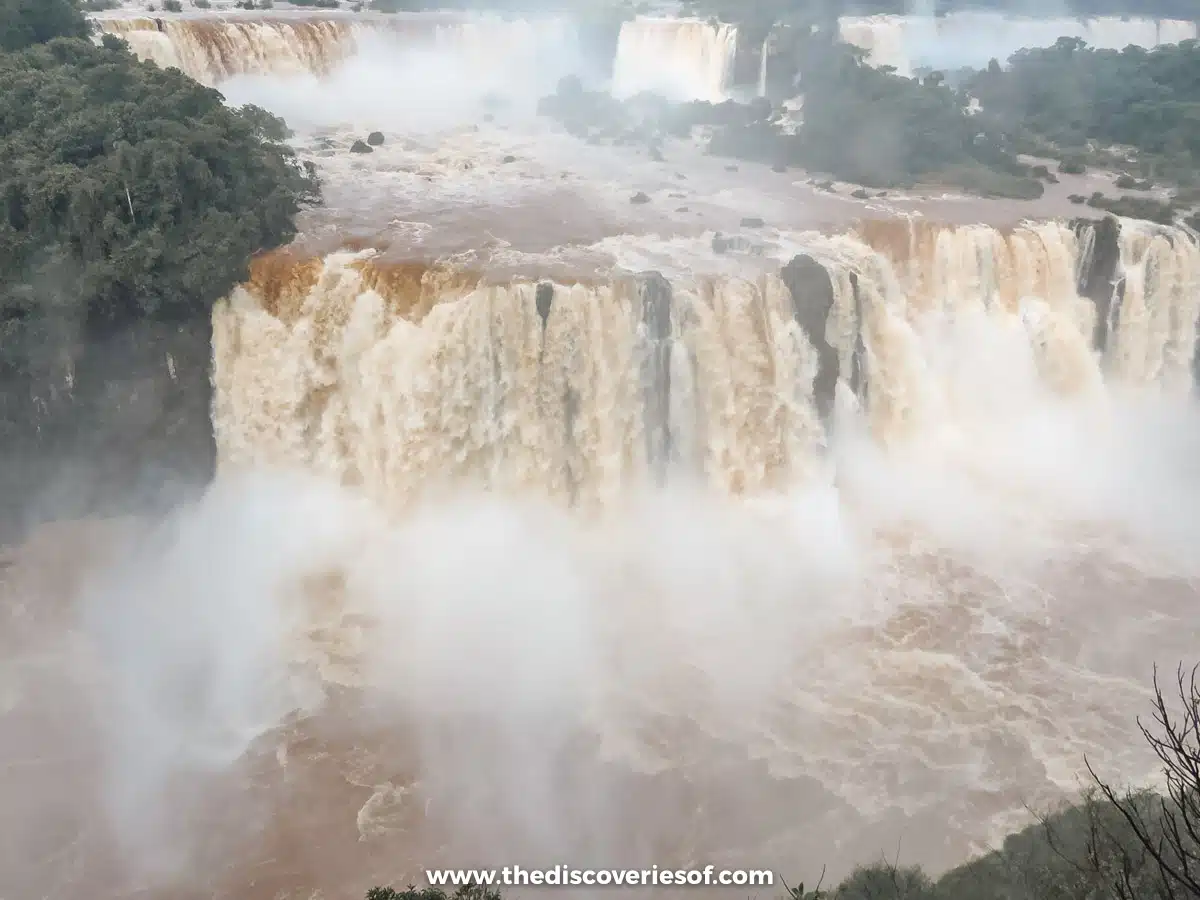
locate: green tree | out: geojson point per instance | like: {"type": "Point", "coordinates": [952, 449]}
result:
{"type": "Point", "coordinates": [131, 199]}
{"type": "Point", "coordinates": [27, 22]}
{"type": "Point", "coordinates": [128, 190]}
{"type": "Point", "coordinates": [1076, 101]}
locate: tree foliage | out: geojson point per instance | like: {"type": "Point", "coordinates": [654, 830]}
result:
{"type": "Point", "coordinates": [870, 126]}
{"type": "Point", "coordinates": [873, 127]}
{"type": "Point", "coordinates": [866, 125]}
{"type": "Point", "coordinates": [1080, 100]}
{"type": "Point", "coordinates": [24, 23]}
{"type": "Point", "coordinates": [128, 190]}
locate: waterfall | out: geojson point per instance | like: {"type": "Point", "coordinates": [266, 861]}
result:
{"type": "Point", "coordinates": [399, 380]}
{"type": "Point", "coordinates": [683, 59]}
{"type": "Point", "coordinates": [214, 49]}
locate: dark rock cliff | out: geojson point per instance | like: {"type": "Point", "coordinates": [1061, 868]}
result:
{"type": "Point", "coordinates": [116, 421]}
{"type": "Point", "coordinates": [1099, 277]}
{"type": "Point", "coordinates": [812, 299]}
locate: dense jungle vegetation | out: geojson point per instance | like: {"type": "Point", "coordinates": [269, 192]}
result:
{"type": "Point", "coordinates": [869, 126]}
{"type": "Point", "coordinates": [126, 190]}
{"type": "Point", "coordinates": [1134, 110]}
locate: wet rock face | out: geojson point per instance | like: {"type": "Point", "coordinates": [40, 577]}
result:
{"type": "Point", "coordinates": [375, 139]}
{"type": "Point", "coordinates": [812, 299]}
{"type": "Point", "coordinates": [543, 300]}
{"type": "Point", "coordinates": [116, 423]}
{"type": "Point", "coordinates": [1100, 280]}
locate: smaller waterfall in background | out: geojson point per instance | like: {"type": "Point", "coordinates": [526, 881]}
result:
{"type": "Point", "coordinates": [682, 59]}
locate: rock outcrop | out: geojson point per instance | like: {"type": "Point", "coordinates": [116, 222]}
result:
{"type": "Point", "coordinates": [812, 299]}
{"type": "Point", "coordinates": [117, 422]}
{"type": "Point", "coordinates": [1099, 276]}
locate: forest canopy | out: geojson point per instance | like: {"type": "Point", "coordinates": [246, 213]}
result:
{"type": "Point", "coordinates": [27, 22]}
{"type": "Point", "coordinates": [125, 189]}
{"type": "Point", "coordinates": [1076, 100]}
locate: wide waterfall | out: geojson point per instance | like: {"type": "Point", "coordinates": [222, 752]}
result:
{"type": "Point", "coordinates": [399, 380]}
{"type": "Point", "coordinates": [212, 51]}
{"type": "Point", "coordinates": [217, 48]}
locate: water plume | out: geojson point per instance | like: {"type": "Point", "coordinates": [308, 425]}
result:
{"type": "Point", "coordinates": [189, 631]}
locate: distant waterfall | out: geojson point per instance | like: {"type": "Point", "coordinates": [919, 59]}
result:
{"type": "Point", "coordinates": [683, 59]}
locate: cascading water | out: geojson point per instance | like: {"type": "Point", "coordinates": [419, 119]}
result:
{"type": "Point", "coordinates": [545, 389]}
{"type": "Point", "coordinates": [682, 59]}
{"type": "Point", "coordinates": [214, 49]}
